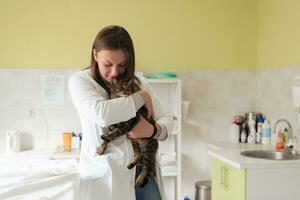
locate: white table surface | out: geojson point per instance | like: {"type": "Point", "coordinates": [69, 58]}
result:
{"type": "Point", "coordinates": [29, 175]}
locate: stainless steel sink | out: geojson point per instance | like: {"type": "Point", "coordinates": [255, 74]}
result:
{"type": "Point", "coordinates": [271, 154]}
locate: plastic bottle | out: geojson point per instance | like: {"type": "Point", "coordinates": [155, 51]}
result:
{"type": "Point", "coordinates": [234, 133]}
{"type": "Point", "coordinates": [75, 142]}
{"type": "Point", "coordinates": [266, 132]}
{"type": "Point", "coordinates": [286, 136]}
{"type": "Point", "coordinates": [259, 121]}
{"type": "Point", "coordinates": [252, 133]}
{"type": "Point", "coordinates": [244, 134]}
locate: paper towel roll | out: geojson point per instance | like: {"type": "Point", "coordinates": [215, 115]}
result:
{"type": "Point", "coordinates": [296, 96]}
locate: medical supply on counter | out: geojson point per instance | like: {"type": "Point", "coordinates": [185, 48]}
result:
{"type": "Point", "coordinates": [234, 133]}
{"type": "Point", "coordinates": [250, 124]}
{"type": "Point", "coordinates": [266, 132]}
{"type": "Point", "coordinates": [252, 132]}
{"type": "Point", "coordinates": [244, 134]}
{"type": "Point", "coordinates": [250, 128]}
{"type": "Point", "coordinates": [67, 140]}
{"type": "Point", "coordinates": [75, 141]}
{"type": "Point", "coordinates": [286, 135]}
{"type": "Point", "coordinates": [259, 120]}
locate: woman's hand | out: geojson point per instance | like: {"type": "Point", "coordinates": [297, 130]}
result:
{"type": "Point", "coordinates": [143, 129]}
{"type": "Point", "coordinates": [148, 102]}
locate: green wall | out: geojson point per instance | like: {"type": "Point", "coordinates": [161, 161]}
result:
{"type": "Point", "coordinates": [278, 33]}
{"type": "Point", "coordinates": [174, 34]}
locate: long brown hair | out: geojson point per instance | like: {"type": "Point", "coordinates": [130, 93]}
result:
{"type": "Point", "coordinates": [113, 38]}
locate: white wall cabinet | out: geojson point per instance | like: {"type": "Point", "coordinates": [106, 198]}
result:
{"type": "Point", "coordinates": [169, 92]}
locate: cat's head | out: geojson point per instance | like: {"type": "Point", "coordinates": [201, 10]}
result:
{"type": "Point", "coordinates": [121, 88]}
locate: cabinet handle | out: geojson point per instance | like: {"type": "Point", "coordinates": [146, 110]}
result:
{"type": "Point", "coordinates": [226, 179]}
{"type": "Point", "coordinates": [222, 176]}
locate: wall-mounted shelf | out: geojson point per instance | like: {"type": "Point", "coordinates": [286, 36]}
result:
{"type": "Point", "coordinates": [169, 92]}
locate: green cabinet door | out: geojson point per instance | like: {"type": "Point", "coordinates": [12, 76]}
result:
{"type": "Point", "coordinates": [228, 182]}
{"type": "Point", "coordinates": [237, 183]}
{"type": "Point", "coordinates": [218, 180]}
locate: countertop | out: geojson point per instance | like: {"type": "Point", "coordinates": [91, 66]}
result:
{"type": "Point", "coordinates": [230, 153]}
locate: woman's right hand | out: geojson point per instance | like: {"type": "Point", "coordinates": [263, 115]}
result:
{"type": "Point", "coordinates": [148, 102]}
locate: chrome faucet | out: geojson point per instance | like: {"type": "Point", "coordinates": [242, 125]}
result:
{"type": "Point", "coordinates": [290, 130]}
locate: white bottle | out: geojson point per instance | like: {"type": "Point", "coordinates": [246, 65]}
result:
{"type": "Point", "coordinates": [234, 133]}
{"type": "Point", "coordinates": [266, 132]}
{"type": "Point", "coordinates": [243, 135]}
{"type": "Point", "coordinates": [75, 142]}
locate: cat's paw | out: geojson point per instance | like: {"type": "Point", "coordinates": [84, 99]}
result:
{"type": "Point", "coordinates": [140, 182]}
{"type": "Point", "coordinates": [130, 165]}
{"type": "Point", "coordinates": [100, 150]}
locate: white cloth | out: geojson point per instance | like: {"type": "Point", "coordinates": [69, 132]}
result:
{"type": "Point", "coordinates": [106, 176]}
{"type": "Point", "coordinates": [30, 179]}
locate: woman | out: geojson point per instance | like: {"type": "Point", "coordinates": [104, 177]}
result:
{"type": "Point", "coordinates": [106, 176]}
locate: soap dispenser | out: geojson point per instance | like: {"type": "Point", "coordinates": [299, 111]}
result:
{"type": "Point", "coordinates": [286, 135]}
{"type": "Point", "coordinates": [287, 138]}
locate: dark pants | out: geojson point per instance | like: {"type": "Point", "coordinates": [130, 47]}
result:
{"type": "Point", "coordinates": [150, 191]}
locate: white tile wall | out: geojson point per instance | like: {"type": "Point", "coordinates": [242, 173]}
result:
{"type": "Point", "coordinates": [275, 95]}
{"type": "Point", "coordinates": [20, 92]}
{"type": "Point", "coordinates": [215, 97]}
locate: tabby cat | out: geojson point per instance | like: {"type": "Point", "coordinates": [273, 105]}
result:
{"type": "Point", "coordinates": [144, 149]}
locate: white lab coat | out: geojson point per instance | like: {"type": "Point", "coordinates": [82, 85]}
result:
{"type": "Point", "coordinates": [107, 177]}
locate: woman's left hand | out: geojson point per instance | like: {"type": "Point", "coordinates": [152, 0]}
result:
{"type": "Point", "coordinates": [143, 129]}
{"type": "Point", "coordinates": [148, 102]}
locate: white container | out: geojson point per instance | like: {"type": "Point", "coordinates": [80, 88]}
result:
{"type": "Point", "coordinates": [75, 142]}
{"type": "Point", "coordinates": [243, 135]}
{"type": "Point", "coordinates": [234, 133]}
{"type": "Point", "coordinates": [167, 158]}
{"type": "Point", "coordinates": [266, 132]}
{"type": "Point", "coordinates": [12, 141]}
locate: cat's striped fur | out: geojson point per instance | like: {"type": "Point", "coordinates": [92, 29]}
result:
{"type": "Point", "coordinates": [145, 149]}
